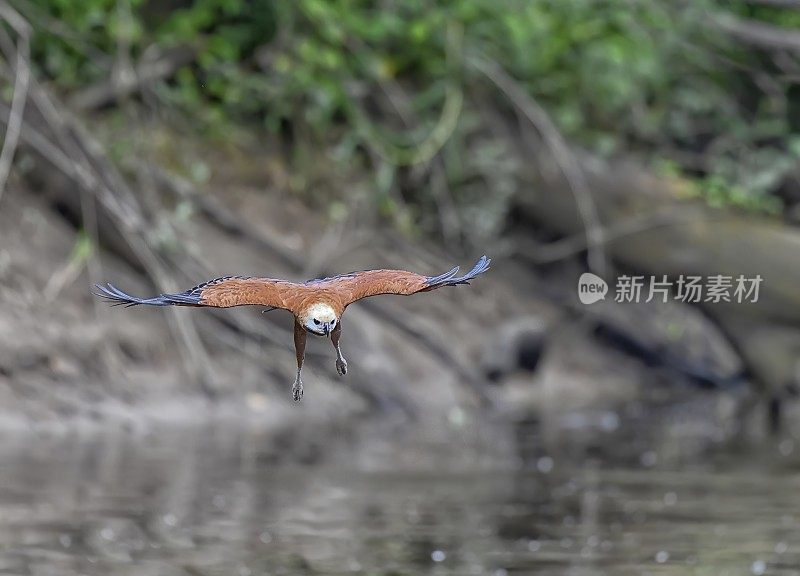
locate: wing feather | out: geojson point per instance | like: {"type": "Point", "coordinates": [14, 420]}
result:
{"type": "Point", "coordinates": [340, 291]}
{"type": "Point", "coordinates": [224, 292]}
{"type": "Point", "coordinates": [358, 285]}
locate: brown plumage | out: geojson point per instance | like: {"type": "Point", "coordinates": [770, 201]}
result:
{"type": "Point", "coordinates": [317, 304]}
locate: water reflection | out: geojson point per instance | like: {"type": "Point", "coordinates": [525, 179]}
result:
{"type": "Point", "coordinates": [495, 500]}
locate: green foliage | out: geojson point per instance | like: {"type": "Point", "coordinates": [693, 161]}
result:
{"type": "Point", "coordinates": [82, 250]}
{"type": "Point", "coordinates": [720, 193]}
{"type": "Point", "coordinates": [653, 77]}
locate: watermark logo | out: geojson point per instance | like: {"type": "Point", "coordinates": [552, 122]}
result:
{"type": "Point", "coordinates": [591, 288]}
{"type": "Point", "coordinates": [685, 288]}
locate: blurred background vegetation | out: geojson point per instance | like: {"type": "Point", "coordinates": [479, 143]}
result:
{"type": "Point", "coordinates": [390, 85]}
{"type": "Point", "coordinates": [669, 122]}
{"type": "Point", "coordinates": [157, 144]}
{"type": "Point", "coordinates": [441, 121]}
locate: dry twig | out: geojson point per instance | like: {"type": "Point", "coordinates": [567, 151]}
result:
{"type": "Point", "coordinates": [563, 156]}
{"type": "Point", "coordinates": [572, 245]}
{"type": "Point", "coordinates": [74, 152]}
{"type": "Point", "coordinates": [445, 126]}
{"type": "Point", "coordinates": [21, 55]}
{"type": "Point", "coordinates": [791, 4]}
{"type": "Point", "coordinates": [128, 84]}
{"type": "Point", "coordinates": [757, 33]}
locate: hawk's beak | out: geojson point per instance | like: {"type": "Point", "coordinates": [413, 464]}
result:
{"type": "Point", "coordinates": [327, 328]}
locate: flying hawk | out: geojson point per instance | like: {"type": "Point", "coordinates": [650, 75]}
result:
{"type": "Point", "coordinates": [317, 305]}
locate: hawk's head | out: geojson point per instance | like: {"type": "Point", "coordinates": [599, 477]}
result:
{"type": "Point", "coordinates": [319, 319]}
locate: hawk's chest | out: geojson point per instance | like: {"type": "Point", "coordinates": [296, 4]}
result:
{"type": "Point", "coordinates": [311, 296]}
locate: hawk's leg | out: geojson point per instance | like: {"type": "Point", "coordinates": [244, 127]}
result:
{"type": "Point", "coordinates": [300, 351]}
{"type": "Point", "coordinates": [341, 363]}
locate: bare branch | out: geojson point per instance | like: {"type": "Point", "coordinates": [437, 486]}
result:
{"type": "Point", "coordinates": [442, 131]}
{"type": "Point", "coordinates": [791, 4]}
{"type": "Point", "coordinates": [40, 20]}
{"type": "Point", "coordinates": [562, 249]}
{"type": "Point", "coordinates": [21, 83]}
{"type": "Point", "coordinates": [123, 85]}
{"type": "Point", "coordinates": [562, 155]}
{"type": "Point", "coordinates": [81, 158]}
{"type": "Point", "coordinates": [757, 33]}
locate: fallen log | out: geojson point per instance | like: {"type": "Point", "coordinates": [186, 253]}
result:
{"type": "Point", "coordinates": [695, 239]}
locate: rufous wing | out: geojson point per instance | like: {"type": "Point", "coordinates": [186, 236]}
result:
{"type": "Point", "coordinates": [358, 285]}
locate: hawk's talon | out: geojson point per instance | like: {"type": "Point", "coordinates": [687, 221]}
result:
{"type": "Point", "coordinates": [297, 391]}
{"type": "Point", "coordinates": [341, 366]}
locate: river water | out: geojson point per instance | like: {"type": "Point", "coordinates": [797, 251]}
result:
{"type": "Point", "coordinates": [473, 498]}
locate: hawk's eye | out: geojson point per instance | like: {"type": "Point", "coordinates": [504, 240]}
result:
{"type": "Point", "coordinates": [316, 321]}
{"type": "Point", "coordinates": [333, 322]}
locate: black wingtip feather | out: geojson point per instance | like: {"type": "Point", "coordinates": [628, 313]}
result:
{"type": "Point", "coordinates": [449, 279]}
{"type": "Point", "coordinates": [433, 280]}
{"type": "Point", "coordinates": [117, 297]}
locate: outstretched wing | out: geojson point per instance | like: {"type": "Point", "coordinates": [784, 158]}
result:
{"type": "Point", "coordinates": [358, 285]}
{"type": "Point", "coordinates": [220, 293]}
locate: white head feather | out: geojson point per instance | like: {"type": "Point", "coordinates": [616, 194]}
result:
{"type": "Point", "coordinates": [317, 317]}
